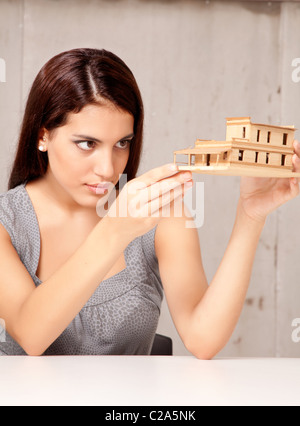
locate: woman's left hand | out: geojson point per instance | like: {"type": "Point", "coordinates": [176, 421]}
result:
{"type": "Point", "coordinates": [260, 196]}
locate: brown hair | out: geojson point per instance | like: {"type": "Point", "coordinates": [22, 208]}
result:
{"type": "Point", "coordinates": [66, 84]}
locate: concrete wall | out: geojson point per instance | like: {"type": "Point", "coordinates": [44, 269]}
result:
{"type": "Point", "coordinates": [197, 62]}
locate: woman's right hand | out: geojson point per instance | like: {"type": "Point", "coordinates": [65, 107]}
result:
{"type": "Point", "coordinates": [143, 201]}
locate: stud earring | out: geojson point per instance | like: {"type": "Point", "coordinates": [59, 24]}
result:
{"type": "Point", "coordinates": [42, 147]}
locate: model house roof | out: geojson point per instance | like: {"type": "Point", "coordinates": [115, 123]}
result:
{"type": "Point", "coordinates": [247, 120]}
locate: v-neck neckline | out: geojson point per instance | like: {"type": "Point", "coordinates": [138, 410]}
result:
{"type": "Point", "coordinates": [36, 222]}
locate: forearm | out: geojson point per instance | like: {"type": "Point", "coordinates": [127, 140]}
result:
{"type": "Point", "coordinates": [53, 305]}
{"type": "Point", "coordinates": [216, 315]}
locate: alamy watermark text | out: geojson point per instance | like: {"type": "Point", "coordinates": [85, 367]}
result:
{"type": "Point", "coordinates": [140, 200]}
{"type": "Point", "coordinates": [296, 71]}
{"type": "Point", "coordinates": [296, 331]}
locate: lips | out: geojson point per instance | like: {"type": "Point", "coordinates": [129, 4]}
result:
{"type": "Point", "coordinates": [99, 188]}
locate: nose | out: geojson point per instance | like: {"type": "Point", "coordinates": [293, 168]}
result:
{"type": "Point", "coordinates": [103, 164]}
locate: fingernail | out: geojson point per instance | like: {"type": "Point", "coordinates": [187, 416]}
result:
{"type": "Point", "coordinates": [173, 167]}
{"type": "Point", "coordinates": [187, 176]}
{"type": "Point", "coordinates": [189, 184]}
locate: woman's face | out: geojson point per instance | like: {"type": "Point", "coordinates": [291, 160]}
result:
{"type": "Point", "coordinates": [89, 153]}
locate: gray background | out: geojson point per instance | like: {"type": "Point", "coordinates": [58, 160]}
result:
{"type": "Point", "coordinates": [196, 62]}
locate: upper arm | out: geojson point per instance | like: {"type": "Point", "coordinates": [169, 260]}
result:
{"type": "Point", "coordinates": [16, 283]}
{"type": "Point", "coordinates": [181, 269]}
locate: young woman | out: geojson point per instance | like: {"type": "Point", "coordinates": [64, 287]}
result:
{"type": "Point", "coordinates": [74, 283]}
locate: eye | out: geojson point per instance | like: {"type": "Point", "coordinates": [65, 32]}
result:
{"type": "Point", "coordinates": [124, 144]}
{"type": "Point", "coordinates": [85, 145]}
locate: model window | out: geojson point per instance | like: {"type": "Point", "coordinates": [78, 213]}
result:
{"type": "Point", "coordinates": [208, 160]}
{"type": "Point", "coordinates": [241, 155]}
{"type": "Point", "coordinates": [267, 158]}
{"type": "Point", "coordinates": [283, 160]}
{"type": "Point", "coordinates": [269, 137]}
{"type": "Point", "coordinates": [285, 135]}
{"type": "Point", "coordinates": [256, 157]}
{"type": "Point", "coordinates": [258, 135]}
{"type": "Point", "coordinates": [244, 132]}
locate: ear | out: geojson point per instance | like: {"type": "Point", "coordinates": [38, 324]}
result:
{"type": "Point", "coordinates": [43, 134]}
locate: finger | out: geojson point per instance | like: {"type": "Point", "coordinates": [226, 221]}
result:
{"type": "Point", "coordinates": [163, 202]}
{"type": "Point", "coordinates": [296, 146]}
{"type": "Point", "coordinates": [296, 163]}
{"type": "Point", "coordinates": [294, 187]}
{"type": "Point", "coordinates": [165, 199]}
{"type": "Point", "coordinates": [163, 187]}
{"type": "Point", "coordinates": [158, 173]}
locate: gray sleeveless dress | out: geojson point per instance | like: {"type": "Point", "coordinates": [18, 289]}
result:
{"type": "Point", "coordinates": [122, 315]}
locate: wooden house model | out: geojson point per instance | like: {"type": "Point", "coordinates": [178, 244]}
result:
{"type": "Point", "coordinates": [250, 149]}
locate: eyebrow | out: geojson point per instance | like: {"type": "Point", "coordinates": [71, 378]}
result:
{"type": "Point", "coordinates": [91, 138]}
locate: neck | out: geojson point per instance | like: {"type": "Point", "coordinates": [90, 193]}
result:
{"type": "Point", "coordinates": [57, 201]}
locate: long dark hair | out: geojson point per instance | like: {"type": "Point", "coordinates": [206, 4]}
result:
{"type": "Point", "coordinates": [66, 84]}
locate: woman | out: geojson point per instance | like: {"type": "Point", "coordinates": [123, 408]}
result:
{"type": "Point", "coordinates": [72, 282]}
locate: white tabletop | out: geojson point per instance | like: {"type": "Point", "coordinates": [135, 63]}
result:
{"type": "Point", "coordinates": [148, 381]}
